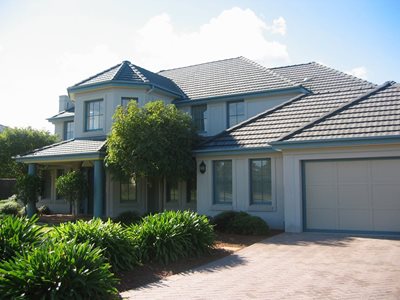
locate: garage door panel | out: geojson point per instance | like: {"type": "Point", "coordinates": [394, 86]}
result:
{"type": "Point", "coordinates": [356, 172]}
{"type": "Point", "coordinates": [386, 196]}
{"type": "Point", "coordinates": [385, 171]}
{"type": "Point", "coordinates": [386, 220]}
{"type": "Point", "coordinates": [322, 219]}
{"type": "Point", "coordinates": [354, 196]}
{"type": "Point", "coordinates": [322, 196]}
{"type": "Point", "coordinates": [359, 195]}
{"type": "Point", "coordinates": [355, 219]}
{"type": "Point", "coordinates": [321, 172]}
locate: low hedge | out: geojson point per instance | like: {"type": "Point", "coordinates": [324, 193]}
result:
{"type": "Point", "coordinates": [128, 218]}
{"type": "Point", "coordinates": [171, 235]}
{"type": "Point", "coordinates": [118, 247]}
{"type": "Point", "coordinates": [239, 223]}
{"type": "Point", "coordinates": [58, 271]}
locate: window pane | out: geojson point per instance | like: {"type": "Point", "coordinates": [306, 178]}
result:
{"type": "Point", "coordinates": [172, 191]}
{"type": "Point", "coordinates": [94, 115]}
{"type": "Point", "coordinates": [235, 113]}
{"type": "Point", "coordinates": [222, 181]}
{"type": "Point", "coordinates": [260, 181]}
{"type": "Point", "coordinates": [191, 190]}
{"type": "Point", "coordinates": [199, 116]}
{"type": "Point", "coordinates": [128, 191]}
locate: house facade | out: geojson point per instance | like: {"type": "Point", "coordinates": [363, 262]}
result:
{"type": "Point", "coordinates": [304, 147]}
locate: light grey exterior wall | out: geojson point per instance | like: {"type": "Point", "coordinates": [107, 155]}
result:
{"type": "Point", "coordinates": [241, 188]}
{"type": "Point", "coordinates": [111, 100]}
{"type": "Point", "coordinates": [217, 111]}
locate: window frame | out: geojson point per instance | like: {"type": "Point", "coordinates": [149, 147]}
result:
{"type": "Point", "coordinates": [214, 189]}
{"type": "Point", "coordinates": [204, 120]}
{"type": "Point", "coordinates": [190, 184]}
{"type": "Point", "coordinates": [267, 203]}
{"type": "Point", "coordinates": [228, 115]}
{"type": "Point", "coordinates": [101, 115]}
{"type": "Point", "coordinates": [66, 130]}
{"type": "Point", "coordinates": [128, 183]}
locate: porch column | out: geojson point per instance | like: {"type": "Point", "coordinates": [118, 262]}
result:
{"type": "Point", "coordinates": [98, 183]}
{"type": "Point", "coordinates": [30, 206]}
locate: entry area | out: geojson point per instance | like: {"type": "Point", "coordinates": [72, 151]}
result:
{"type": "Point", "coordinates": [352, 195]}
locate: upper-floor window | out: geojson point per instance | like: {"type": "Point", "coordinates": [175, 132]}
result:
{"type": "Point", "coordinates": [235, 113]}
{"type": "Point", "coordinates": [172, 190]}
{"type": "Point", "coordinates": [128, 190]}
{"type": "Point", "coordinates": [222, 172]}
{"type": "Point", "coordinates": [199, 116]}
{"type": "Point", "coordinates": [94, 115]}
{"type": "Point", "coordinates": [260, 181]}
{"type": "Point", "coordinates": [68, 130]}
{"type": "Point", "coordinates": [126, 100]}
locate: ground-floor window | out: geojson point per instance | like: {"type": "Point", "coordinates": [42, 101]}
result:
{"type": "Point", "coordinates": [172, 191]}
{"type": "Point", "coordinates": [46, 184]}
{"type": "Point", "coordinates": [128, 190]}
{"type": "Point", "coordinates": [191, 190]}
{"type": "Point", "coordinates": [260, 181]}
{"type": "Point", "coordinates": [222, 173]}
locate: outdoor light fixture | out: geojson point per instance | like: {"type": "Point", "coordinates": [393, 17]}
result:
{"type": "Point", "coordinates": [202, 167]}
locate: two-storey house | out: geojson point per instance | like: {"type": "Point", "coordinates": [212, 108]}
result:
{"type": "Point", "coordinates": [305, 147]}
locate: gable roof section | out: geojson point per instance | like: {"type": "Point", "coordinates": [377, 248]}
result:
{"type": "Point", "coordinates": [269, 126]}
{"type": "Point", "coordinates": [225, 78]}
{"type": "Point", "coordinates": [319, 78]}
{"type": "Point", "coordinates": [66, 150]}
{"type": "Point", "coordinates": [65, 114]}
{"type": "Point", "coordinates": [129, 73]}
{"type": "Point", "coordinates": [375, 115]}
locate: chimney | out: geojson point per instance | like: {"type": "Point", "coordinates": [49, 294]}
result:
{"type": "Point", "coordinates": [64, 103]}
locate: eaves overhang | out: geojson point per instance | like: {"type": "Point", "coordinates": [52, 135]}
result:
{"type": "Point", "coordinates": [336, 142]}
{"type": "Point", "coordinates": [234, 151]}
{"type": "Point", "coordinates": [271, 92]}
{"type": "Point", "coordinates": [61, 158]}
{"type": "Point", "coordinates": [117, 83]}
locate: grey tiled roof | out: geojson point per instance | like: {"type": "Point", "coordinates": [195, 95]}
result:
{"type": "Point", "coordinates": [319, 78]}
{"type": "Point", "coordinates": [130, 73]}
{"type": "Point", "coordinates": [225, 77]}
{"type": "Point", "coordinates": [2, 127]}
{"type": "Point", "coordinates": [373, 116]}
{"type": "Point", "coordinates": [69, 113]}
{"type": "Point", "coordinates": [69, 147]}
{"type": "Point", "coordinates": [272, 124]}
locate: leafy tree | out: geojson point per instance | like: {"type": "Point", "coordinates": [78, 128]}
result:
{"type": "Point", "coordinates": [28, 190]}
{"type": "Point", "coordinates": [73, 187]}
{"type": "Point", "coordinates": [17, 141]}
{"type": "Point", "coordinates": [153, 141]}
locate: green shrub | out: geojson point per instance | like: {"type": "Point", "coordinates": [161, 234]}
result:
{"type": "Point", "coordinates": [128, 218]}
{"type": "Point", "coordinates": [240, 223]}
{"type": "Point", "coordinates": [171, 235]}
{"type": "Point", "coordinates": [58, 271]}
{"type": "Point", "coordinates": [118, 248]}
{"type": "Point", "coordinates": [10, 208]}
{"type": "Point", "coordinates": [17, 235]}
{"type": "Point", "coordinates": [44, 210]}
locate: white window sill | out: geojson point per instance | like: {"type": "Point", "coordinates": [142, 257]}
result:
{"type": "Point", "coordinates": [222, 207]}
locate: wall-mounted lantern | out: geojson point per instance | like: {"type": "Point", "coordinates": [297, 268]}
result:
{"type": "Point", "coordinates": [202, 167]}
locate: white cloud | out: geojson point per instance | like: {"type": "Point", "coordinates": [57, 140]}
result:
{"type": "Point", "coordinates": [235, 32]}
{"type": "Point", "coordinates": [360, 72]}
{"type": "Point", "coordinates": [278, 26]}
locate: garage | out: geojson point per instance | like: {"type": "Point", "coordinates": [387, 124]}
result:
{"type": "Point", "coordinates": [352, 195]}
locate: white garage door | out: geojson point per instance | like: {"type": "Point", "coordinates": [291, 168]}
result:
{"type": "Point", "coordinates": [357, 195]}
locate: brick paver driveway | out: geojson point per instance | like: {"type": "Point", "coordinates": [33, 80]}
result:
{"type": "Point", "coordinates": [292, 266]}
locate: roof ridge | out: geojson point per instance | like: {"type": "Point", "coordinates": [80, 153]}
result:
{"type": "Point", "coordinates": [135, 69]}
{"type": "Point", "coordinates": [343, 73]}
{"type": "Point", "coordinates": [262, 114]}
{"type": "Point", "coordinates": [268, 70]}
{"type": "Point", "coordinates": [334, 111]}
{"type": "Point", "coordinates": [98, 74]}
{"type": "Point", "coordinates": [293, 65]}
{"type": "Point", "coordinates": [204, 63]}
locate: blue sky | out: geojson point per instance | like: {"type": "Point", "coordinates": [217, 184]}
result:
{"type": "Point", "coordinates": [46, 46]}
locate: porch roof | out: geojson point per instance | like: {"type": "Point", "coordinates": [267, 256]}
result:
{"type": "Point", "coordinates": [70, 150]}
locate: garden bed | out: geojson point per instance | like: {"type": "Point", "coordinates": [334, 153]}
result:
{"type": "Point", "coordinates": [225, 244]}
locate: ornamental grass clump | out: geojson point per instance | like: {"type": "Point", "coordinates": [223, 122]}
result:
{"type": "Point", "coordinates": [63, 270]}
{"type": "Point", "coordinates": [118, 247]}
{"type": "Point", "coordinates": [171, 235]}
{"type": "Point", "coordinates": [17, 235]}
